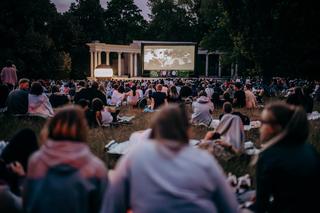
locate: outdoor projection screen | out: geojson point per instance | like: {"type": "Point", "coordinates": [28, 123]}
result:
{"type": "Point", "coordinates": [169, 57]}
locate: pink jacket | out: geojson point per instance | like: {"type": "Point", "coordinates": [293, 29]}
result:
{"type": "Point", "coordinates": [9, 75]}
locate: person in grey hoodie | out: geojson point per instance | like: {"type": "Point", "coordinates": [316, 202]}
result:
{"type": "Point", "coordinates": [164, 174]}
{"type": "Point", "coordinates": [202, 109]}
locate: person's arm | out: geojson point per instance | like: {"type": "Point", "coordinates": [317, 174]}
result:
{"type": "Point", "coordinates": [165, 101]}
{"type": "Point", "coordinates": [15, 77]}
{"type": "Point", "coordinates": [264, 185]}
{"type": "Point", "coordinates": [152, 103]}
{"type": "Point", "coordinates": [223, 197]}
{"type": "Point", "coordinates": [117, 197]}
{"type": "Point", "coordinates": [2, 76]}
{"type": "Point", "coordinates": [98, 118]}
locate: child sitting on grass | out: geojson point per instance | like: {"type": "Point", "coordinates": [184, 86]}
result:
{"type": "Point", "coordinates": [102, 115]}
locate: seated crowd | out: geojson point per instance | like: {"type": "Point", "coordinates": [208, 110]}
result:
{"type": "Point", "coordinates": [163, 172]}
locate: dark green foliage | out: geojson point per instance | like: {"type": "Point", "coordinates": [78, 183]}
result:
{"type": "Point", "coordinates": [271, 37]}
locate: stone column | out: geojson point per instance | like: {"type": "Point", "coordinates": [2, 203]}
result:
{"type": "Point", "coordinates": [131, 65]}
{"type": "Point", "coordinates": [136, 64]}
{"type": "Point", "coordinates": [232, 70]}
{"type": "Point", "coordinates": [119, 64]}
{"type": "Point", "coordinates": [95, 60]}
{"type": "Point", "coordinates": [91, 64]}
{"type": "Point", "coordinates": [207, 65]}
{"type": "Point", "coordinates": [99, 58]}
{"type": "Point", "coordinates": [236, 71]}
{"type": "Point", "coordinates": [108, 58]}
{"type": "Point", "coordinates": [219, 71]}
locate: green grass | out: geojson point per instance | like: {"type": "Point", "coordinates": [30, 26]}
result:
{"type": "Point", "coordinates": [100, 136]}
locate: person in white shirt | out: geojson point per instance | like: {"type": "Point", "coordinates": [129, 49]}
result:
{"type": "Point", "coordinates": [117, 96]}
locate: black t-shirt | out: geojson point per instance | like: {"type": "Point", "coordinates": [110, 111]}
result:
{"type": "Point", "coordinates": [58, 100]}
{"type": "Point", "coordinates": [240, 98]}
{"type": "Point", "coordinates": [4, 92]}
{"type": "Point", "coordinates": [18, 102]}
{"type": "Point", "coordinates": [159, 99]}
{"type": "Point", "coordinates": [185, 92]}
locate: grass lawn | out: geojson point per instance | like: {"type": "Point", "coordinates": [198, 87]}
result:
{"type": "Point", "coordinates": [100, 136]}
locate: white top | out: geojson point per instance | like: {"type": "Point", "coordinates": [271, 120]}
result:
{"type": "Point", "coordinates": [106, 118]}
{"type": "Point", "coordinates": [117, 98]}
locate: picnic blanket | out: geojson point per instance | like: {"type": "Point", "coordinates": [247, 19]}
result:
{"type": "Point", "coordinates": [256, 124]}
{"type": "Point", "coordinates": [121, 148]}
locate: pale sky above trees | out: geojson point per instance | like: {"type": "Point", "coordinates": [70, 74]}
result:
{"type": "Point", "coordinates": [63, 5]}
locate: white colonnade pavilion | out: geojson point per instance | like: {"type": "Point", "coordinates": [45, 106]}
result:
{"type": "Point", "coordinates": [132, 52]}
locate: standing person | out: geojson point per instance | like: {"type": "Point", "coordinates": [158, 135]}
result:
{"type": "Point", "coordinates": [64, 176]}
{"type": "Point", "coordinates": [288, 168]}
{"type": "Point", "coordinates": [158, 98]}
{"type": "Point", "coordinates": [165, 165]}
{"type": "Point", "coordinates": [17, 101]}
{"type": "Point", "coordinates": [9, 75]}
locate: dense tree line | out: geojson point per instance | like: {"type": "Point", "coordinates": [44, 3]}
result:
{"type": "Point", "coordinates": [267, 37]}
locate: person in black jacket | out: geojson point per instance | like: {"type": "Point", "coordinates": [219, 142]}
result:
{"type": "Point", "coordinates": [288, 168]}
{"type": "Point", "coordinates": [239, 96]}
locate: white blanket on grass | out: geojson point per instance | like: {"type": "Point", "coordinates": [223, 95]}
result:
{"type": "Point", "coordinates": [257, 124]}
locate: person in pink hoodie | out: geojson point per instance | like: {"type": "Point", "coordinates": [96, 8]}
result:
{"type": "Point", "coordinates": [64, 176]}
{"type": "Point", "coordinates": [9, 75]}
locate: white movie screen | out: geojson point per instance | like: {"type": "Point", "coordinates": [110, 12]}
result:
{"type": "Point", "coordinates": [169, 57]}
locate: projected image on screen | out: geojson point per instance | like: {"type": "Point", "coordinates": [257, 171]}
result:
{"type": "Point", "coordinates": [169, 57]}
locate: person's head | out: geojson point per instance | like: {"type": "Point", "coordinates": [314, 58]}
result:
{"type": "Point", "coordinates": [9, 63]}
{"type": "Point", "coordinates": [68, 124]}
{"type": "Point", "coordinates": [36, 88]}
{"type": "Point", "coordinates": [95, 85]}
{"type": "Point", "coordinates": [171, 123]}
{"type": "Point", "coordinates": [227, 107]}
{"type": "Point", "coordinates": [202, 93]}
{"type": "Point", "coordinates": [248, 87]}
{"type": "Point", "coordinates": [97, 104]}
{"type": "Point", "coordinates": [121, 89]}
{"type": "Point", "coordinates": [24, 84]}
{"type": "Point", "coordinates": [83, 103]}
{"type": "Point", "coordinates": [288, 122]}
{"type": "Point", "coordinates": [173, 90]}
{"type": "Point", "coordinates": [159, 88]}
{"type": "Point", "coordinates": [55, 89]}
{"type": "Point", "coordinates": [298, 91]}
{"type": "Point", "coordinates": [134, 89]}
{"type": "Point", "coordinates": [237, 86]}
{"type": "Point", "coordinates": [21, 146]}
{"type": "Point", "coordinates": [82, 83]}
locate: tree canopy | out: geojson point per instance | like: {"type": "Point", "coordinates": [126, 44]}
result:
{"type": "Point", "coordinates": [268, 36]}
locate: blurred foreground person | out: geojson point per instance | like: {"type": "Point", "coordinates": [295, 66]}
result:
{"type": "Point", "coordinates": [164, 174]}
{"type": "Point", "coordinates": [288, 167]}
{"type": "Point", "coordinates": [64, 176]}
{"type": "Point", "coordinates": [13, 162]}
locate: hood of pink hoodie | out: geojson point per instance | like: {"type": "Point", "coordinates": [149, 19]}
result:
{"type": "Point", "coordinates": [75, 154]}
{"type": "Point", "coordinates": [203, 100]}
